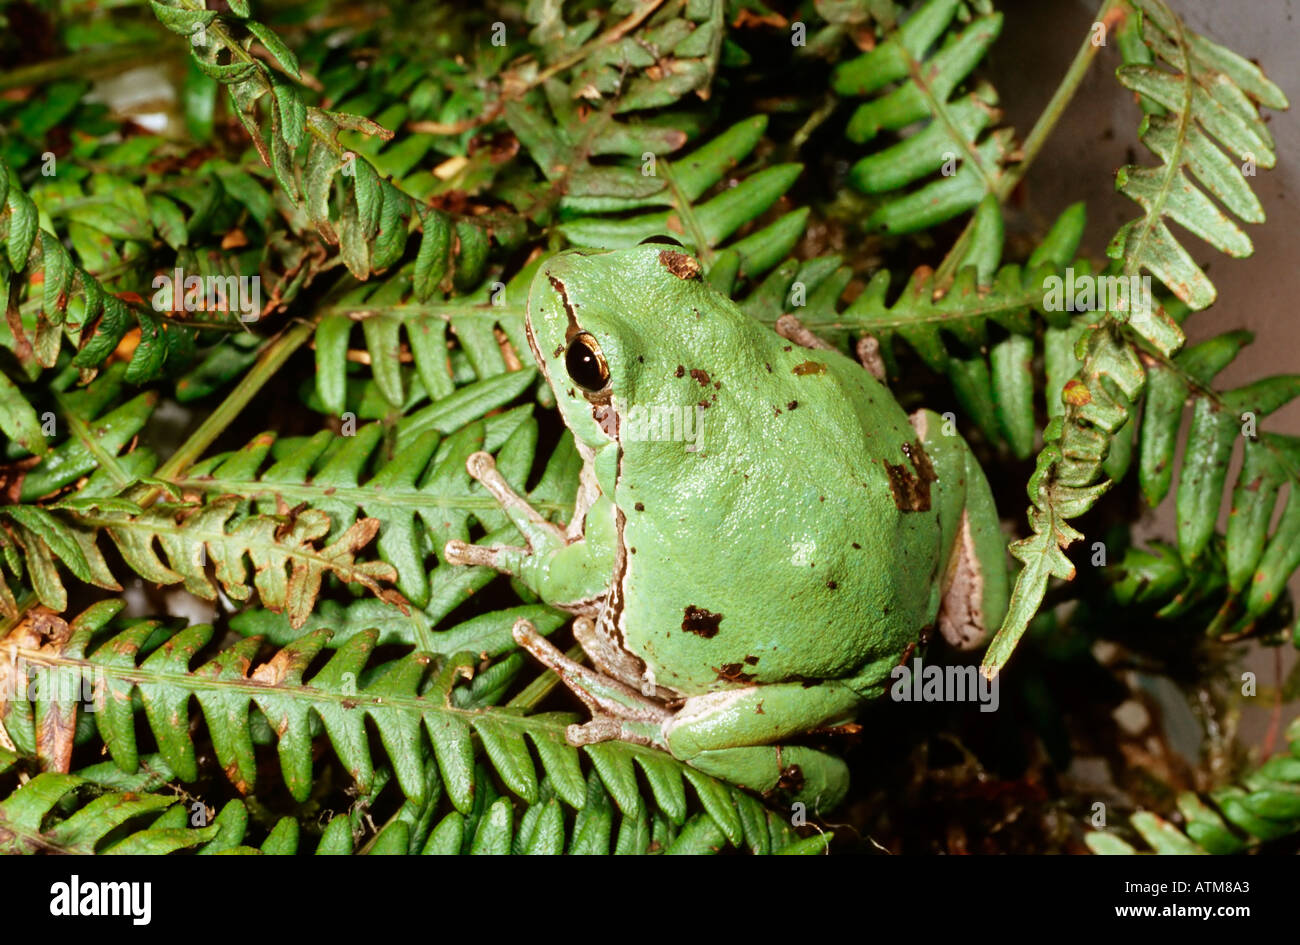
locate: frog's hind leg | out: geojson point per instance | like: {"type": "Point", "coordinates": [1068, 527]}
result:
{"type": "Point", "coordinates": [736, 733]}
{"type": "Point", "coordinates": [974, 585]}
{"type": "Point", "coordinates": [726, 734]}
{"type": "Point", "coordinates": [618, 711]}
{"type": "Point", "coordinates": [804, 775]}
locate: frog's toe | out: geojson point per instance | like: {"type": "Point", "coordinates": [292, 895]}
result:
{"type": "Point", "coordinates": [480, 464]}
{"type": "Point", "coordinates": [457, 551]}
{"type": "Point", "coordinates": [498, 557]}
{"type": "Point", "coordinates": [791, 329]}
{"type": "Point", "coordinates": [600, 729]}
{"type": "Point", "coordinates": [868, 352]}
{"type": "Point", "coordinates": [605, 728]}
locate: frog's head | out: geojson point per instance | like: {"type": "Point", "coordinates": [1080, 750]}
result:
{"type": "Point", "coordinates": [614, 328]}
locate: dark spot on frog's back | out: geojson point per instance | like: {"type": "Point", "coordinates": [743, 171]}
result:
{"type": "Point", "coordinates": [809, 367]}
{"type": "Point", "coordinates": [680, 372]}
{"type": "Point", "coordinates": [911, 491]}
{"type": "Point", "coordinates": [701, 622]}
{"type": "Point", "coordinates": [679, 264]}
{"type": "Point", "coordinates": [701, 376]}
{"type": "Point", "coordinates": [731, 672]}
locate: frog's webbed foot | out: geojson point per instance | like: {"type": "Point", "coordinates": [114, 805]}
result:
{"type": "Point", "coordinates": [791, 329]}
{"type": "Point", "coordinates": [618, 711]}
{"type": "Point", "coordinates": [868, 351]}
{"type": "Point", "coordinates": [868, 348]}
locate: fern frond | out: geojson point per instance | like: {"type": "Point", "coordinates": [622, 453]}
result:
{"type": "Point", "coordinates": [706, 226]}
{"type": "Point", "coordinates": [487, 322]}
{"type": "Point", "coordinates": [99, 428]}
{"type": "Point", "coordinates": [60, 813]}
{"type": "Point", "coordinates": [1213, 97]}
{"type": "Point", "coordinates": [602, 89]}
{"type": "Point", "coordinates": [415, 487]}
{"type": "Point", "coordinates": [286, 551]}
{"type": "Point", "coordinates": [341, 193]}
{"type": "Point", "coordinates": [153, 663]}
{"type": "Point", "coordinates": [921, 88]}
{"type": "Point", "coordinates": [34, 819]}
{"type": "Point", "coordinates": [1257, 564]}
{"type": "Point", "coordinates": [28, 120]}
{"type": "Point", "coordinates": [1230, 819]}
{"type": "Point", "coordinates": [73, 302]}
{"type": "Point", "coordinates": [948, 328]}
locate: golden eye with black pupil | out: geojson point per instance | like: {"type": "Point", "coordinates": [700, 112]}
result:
{"type": "Point", "coordinates": [585, 364]}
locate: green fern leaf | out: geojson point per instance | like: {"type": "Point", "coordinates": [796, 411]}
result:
{"type": "Point", "coordinates": [1213, 97]}
{"type": "Point", "coordinates": [922, 89]}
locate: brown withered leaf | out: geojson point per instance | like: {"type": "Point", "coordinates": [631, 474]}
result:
{"type": "Point", "coordinates": [11, 478]}
{"type": "Point", "coordinates": [35, 642]}
{"type": "Point", "coordinates": [340, 559]}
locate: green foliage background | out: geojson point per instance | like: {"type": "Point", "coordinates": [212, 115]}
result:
{"type": "Point", "coordinates": [394, 174]}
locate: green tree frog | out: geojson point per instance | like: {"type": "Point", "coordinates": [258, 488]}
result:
{"type": "Point", "coordinates": [760, 532]}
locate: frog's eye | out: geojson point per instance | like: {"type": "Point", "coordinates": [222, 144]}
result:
{"type": "Point", "coordinates": [585, 364]}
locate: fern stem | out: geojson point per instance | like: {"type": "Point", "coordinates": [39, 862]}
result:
{"type": "Point", "coordinates": [939, 109]}
{"type": "Point", "coordinates": [686, 214]}
{"type": "Point", "coordinates": [268, 362]}
{"type": "Point", "coordinates": [1109, 13]}
{"type": "Point", "coordinates": [410, 499]}
{"type": "Point", "coordinates": [514, 87]}
{"type": "Point", "coordinates": [1136, 249]}
{"type": "Point", "coordinates": [104, 458]}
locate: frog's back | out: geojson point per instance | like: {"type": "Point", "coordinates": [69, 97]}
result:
{"type": "Point", "coordinates": [796, 538]}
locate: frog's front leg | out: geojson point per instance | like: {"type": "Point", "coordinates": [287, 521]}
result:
{"type": "Point", "coordinates": [541, 534]}
{"type": "Point", "coordinates": [571, 571]}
